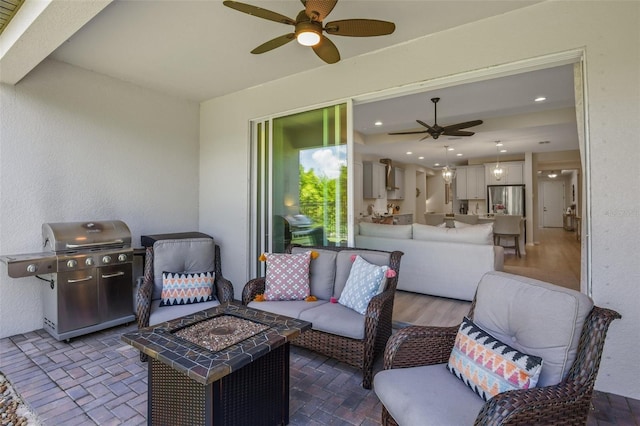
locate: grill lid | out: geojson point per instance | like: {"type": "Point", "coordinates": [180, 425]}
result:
{"type": "Point", "coordinates": [68, 236]}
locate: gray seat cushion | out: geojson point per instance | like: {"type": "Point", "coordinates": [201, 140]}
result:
{"type": "Point", "coordinates": [335, 319]}
{"type": "Point", "coordinates": [166, 313]}
{"type": "Point", "coordinates": [190, 255]}
{"type": "Point", "coordinates": [289, 308]}
{"type": "Point", "coordinates": [429, 395]}
{"type": "Point", "coordinates": [534, 317]}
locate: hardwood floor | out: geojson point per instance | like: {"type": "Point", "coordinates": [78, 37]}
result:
{"type": "Point", "coordinates": [556, 259]}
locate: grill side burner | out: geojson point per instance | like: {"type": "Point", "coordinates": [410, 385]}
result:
{"type": "Point", "coordinates": [91, 276]}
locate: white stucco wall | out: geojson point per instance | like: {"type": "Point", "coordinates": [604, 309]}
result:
{"type": "Point", "coordinates": [608, 31]}
{"type": "Point", "coordinates": [76, 146]}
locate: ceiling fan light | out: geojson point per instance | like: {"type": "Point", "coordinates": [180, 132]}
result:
{"type": "Point", "coordinates": [308, 37]}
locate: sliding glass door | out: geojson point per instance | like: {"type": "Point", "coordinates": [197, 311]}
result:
{"type": "Point", "coordinates": [301, 180]}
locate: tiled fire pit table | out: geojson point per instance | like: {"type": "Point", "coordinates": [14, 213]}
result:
{"type": "Point", "coordinates": [227, 365]}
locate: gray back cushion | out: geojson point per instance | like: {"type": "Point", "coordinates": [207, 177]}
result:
{"type": "Point", "coordinates": [344, 262]}
{"type": "Point", "coordinates": [322, 272]}
{"type": "Point", "coordinates": [188, 255]}
{"type": "Point", "coordinates": [534, 317]}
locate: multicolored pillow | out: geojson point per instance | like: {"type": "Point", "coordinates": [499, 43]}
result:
{"type": "Point", "coordinates": [489, 366]}
{"type": "Point", "coordinates": [287, 276]}
{"type": "Point", "coordinates": [179, 288]}
{"type": "Point", "coordinates": [363, 283]}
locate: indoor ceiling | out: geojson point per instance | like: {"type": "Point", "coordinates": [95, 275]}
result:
{"type": "Point", "coordinates": [199, 50]}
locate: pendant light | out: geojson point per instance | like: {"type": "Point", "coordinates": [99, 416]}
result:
{"type": "Point", "coordinates": [497, 170]}
{"type": "Point", "coordinates": [448, 174]}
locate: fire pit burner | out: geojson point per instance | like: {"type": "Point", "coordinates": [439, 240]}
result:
{"type": "Point", "coordinates": [220, 332]}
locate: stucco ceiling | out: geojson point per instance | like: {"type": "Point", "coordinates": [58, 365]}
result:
{"type": "Point", "coordinates": [199, 50]}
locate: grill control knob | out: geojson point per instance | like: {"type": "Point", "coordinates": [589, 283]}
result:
{"type": "Point", "coordinates": [106, 259]}
{"type": "Point", "coordinates": [31, 268]}
{"type": "Point", "coordinates": [72, 263]}
{"type": "Point", "coordinates": [88, 261]}
{"type": "Point", "coordinates": [122, 257]}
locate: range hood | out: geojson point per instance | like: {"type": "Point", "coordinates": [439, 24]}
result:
{"type": "Point", "coordinates": [390, 177]}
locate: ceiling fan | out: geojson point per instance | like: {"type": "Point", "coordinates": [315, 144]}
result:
{"type": "Point", "coordinates": [308, 27]}
{"type": "Point", "coordinates": [436, 130]}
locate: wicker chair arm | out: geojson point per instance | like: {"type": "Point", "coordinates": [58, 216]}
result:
{"type": "Point", "coordinates": [224, 289]}
{"type": "Point", "coordinates": [545, 406]}
{"type": "Point", "coordinates": [419, 345]}
{"type": "Point", "coordinates": [251, 289]}
{"type": "Point", "coordinates": [145, 291]}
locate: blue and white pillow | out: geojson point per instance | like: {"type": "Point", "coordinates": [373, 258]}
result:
{"type": "Point", "coordinates": [363, 283]}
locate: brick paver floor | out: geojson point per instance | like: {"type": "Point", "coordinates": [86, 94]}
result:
{"type": "Point", "coordinates": [98, 379]}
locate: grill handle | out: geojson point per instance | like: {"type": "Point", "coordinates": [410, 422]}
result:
{"type": "Point", "coordinates": [100, 244]}
{"type": "Point", "coordinates": [117, 274]}
{"type": "Point", "coordinates": [90, 277]}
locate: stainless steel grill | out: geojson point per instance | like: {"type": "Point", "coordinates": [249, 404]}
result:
{"type": "Point", "coordinates": [91, 282]}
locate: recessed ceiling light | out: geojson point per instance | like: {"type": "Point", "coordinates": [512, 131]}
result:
{"type": "Point", "coordinates": [503, 150]}
{"type": "Point", "coordinates": [409, 152]}
{"type": "Point", "coordinates": [437, 164]}
{"type": "Point", "coordinates": [540, 99]}
{"type": "Point", "coordinates": [378, 123]}
{"type": "Point", "coordinates": [499, 143]}
{"type": "Point", "coordinates": [420, 158]}
{"type": "Point", "coordinates": [451, 149]}
{"type": "Point", "coordinates": [459, 154]}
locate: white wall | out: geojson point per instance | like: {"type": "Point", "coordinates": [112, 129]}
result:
{"type": "Point", "coordinates": [79, 146]}
{"type": "Point", "coordinates": [609, 31]}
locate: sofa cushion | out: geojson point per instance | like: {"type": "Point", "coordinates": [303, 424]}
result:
{"type": "Point", "coordinates": [287, 276]}
{"type": "Point", "coordinates": [472, 234]}
{"type": "Point", "coordinates": [336, 319]}
{"type": "Point", "coordinates": [289, 308]}
{"type": "Point", "coordinates": [183, 289]}
{"type": "Point", "coordinates": [403, 391]}
{"type": "Point", "coordinates": [363, 283]}
{"type": "Point", "coordinates": [188, 255]}
{"type": "Point", "coordinates": [322, 272]}
{"type": "Point", "coordinates": [489, 366]}
{"type": "Point", "coordinates": [344, 263]}
{"type": "Point", "coordinates": [533, 317]}
{"type": "Point", "coordinates": [385, 231]}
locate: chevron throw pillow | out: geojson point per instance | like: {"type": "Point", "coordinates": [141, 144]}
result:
{"type": "Point", "coordinates": [179, 288]}
{"type": "Point", "coordinates": [488, 366]}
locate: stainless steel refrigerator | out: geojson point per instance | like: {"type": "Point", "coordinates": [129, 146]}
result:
{"type": "Point", "coordinates": [510, 197]}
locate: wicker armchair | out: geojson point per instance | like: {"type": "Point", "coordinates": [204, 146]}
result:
{"type": "Point", "coordinates": [566, 403]}
{"type": "Point", "coordinates": [145, 300]}
{"type": "Point", "coordinates": [358, 353]}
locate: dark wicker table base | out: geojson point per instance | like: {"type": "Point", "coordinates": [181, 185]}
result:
{"type": "Point", "coordinates": [257, 394]}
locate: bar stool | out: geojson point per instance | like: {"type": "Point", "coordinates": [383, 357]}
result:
{"type": "Point", "coordinates": [507, 226]}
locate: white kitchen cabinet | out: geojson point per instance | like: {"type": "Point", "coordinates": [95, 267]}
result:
{"type": "Point", "coordinates": [373, 180]}
{"type": "Point", "coordinates": [513, 173]}
{"type": "Point", "coordinates": [397, 193]}
{"type": "Point", "coordinates": [470, 183]}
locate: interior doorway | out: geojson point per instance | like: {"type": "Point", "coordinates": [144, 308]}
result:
{"type": "Point", "coordinates": [552, 204]}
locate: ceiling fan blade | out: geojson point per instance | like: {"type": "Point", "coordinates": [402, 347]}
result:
{"type": "Point", "coordinates": [426, 125]}
{"type": "Point", "coordinates": [317, 10]}
{"type": "Point", "coordinates": [425, 137]}
{"type": "Point", "coordinates": [458, 133]}
{"type": "Point", "coordinates": [360, 27]}
{"type": "Point", "coordinates": [272, 44]}
{"type": "Point", "coordinates": [327, 51]}
{"type": "Point", "coordinates": [463, 125]}
{"type": "Point", "coordinates": [408, 133]}
{"type": "Point", "coordinates": [259, 12]}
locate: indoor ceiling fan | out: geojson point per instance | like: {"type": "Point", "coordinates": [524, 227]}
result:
{"type": "Point", "coordinates": [436, 130]}
{"type": "Point", "coordinates": [309, 28]}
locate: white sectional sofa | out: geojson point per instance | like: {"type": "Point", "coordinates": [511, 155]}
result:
{"type": "Point", "coordinates": [438, 261]}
